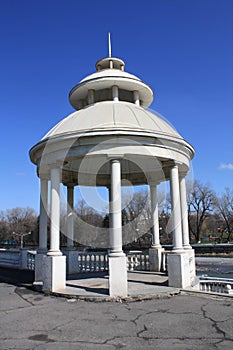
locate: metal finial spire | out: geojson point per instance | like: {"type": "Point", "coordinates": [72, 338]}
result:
{"type": "Point", "coordinates": [109, 45]}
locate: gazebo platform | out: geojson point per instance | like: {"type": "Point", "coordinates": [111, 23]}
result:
{"type": "Point", "coordinates": [94, 286]}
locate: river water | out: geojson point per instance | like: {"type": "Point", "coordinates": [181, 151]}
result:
{"type": "Point", "coordinates": [214, 267]}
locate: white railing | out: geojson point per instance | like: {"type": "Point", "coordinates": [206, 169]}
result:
{"type": "Point", "coordinates": [98, 261]}
{"type": "Point", "coordinates": [216, 285]}
{"type": "Point", "coordinates": [22, 259]}
{"type": "Point", "coordinates": [92, 261]}
{"type": "Point", "coordinates": [31, 260]}
{"type": "Point", "coordinates": [138, 261]}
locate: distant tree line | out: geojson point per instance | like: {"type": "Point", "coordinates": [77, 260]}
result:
{"type": "Point", "coordinates": [210, 219]}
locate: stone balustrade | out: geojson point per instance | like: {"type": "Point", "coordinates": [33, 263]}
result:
{"type": "Point", "coordinates": [137, 260]}
{"type": "Point", "coordinates": [87, 261]}
{"type": "Point", "coordinates": [22, 259]}
{"type": "Point", "coordinates": [216, 285]}
{"type": "Point", "coordinates": [92, 262]}
{"type": "Point", "coordinates": [31, 260]}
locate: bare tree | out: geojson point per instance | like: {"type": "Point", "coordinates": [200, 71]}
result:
{"type": "Point", "coordinates": [224, 208]}
{"type": "Point", "coordinates": [89, 229]}
{"type": "Point", "coordinates": [88, 214]}
{"type": "Point", "coordinates": [136, 215]}
{"type": "Point", "coordinates": [200, 205]}
{"type": "Point", "coordinates": [5, 232]}
{"type": "Point", "coordinates": [20, 221]}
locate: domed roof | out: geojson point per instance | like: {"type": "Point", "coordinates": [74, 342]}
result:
{"type": "Point", "coordinates": [109, 117]}
{"type": "Point", "coordinates": [111, 108]}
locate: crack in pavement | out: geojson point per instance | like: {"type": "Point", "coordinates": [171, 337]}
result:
{"type": "Point", "coordinates": [17, 291]}
{"type": "Point", "coordinates": [215, 326]}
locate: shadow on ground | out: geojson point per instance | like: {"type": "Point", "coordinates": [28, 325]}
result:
{"type": "Point", "coordinates": [20, 278]}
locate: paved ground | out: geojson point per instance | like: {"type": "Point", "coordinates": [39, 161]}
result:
{"type": "Point", "coordinates": [31, 320]}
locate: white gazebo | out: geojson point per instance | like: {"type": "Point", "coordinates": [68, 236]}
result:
{"type": "Point", "coordinates": [110, 137]}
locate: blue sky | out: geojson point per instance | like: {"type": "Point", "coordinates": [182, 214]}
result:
{"type": "Point", "coordinates": [181, 48]}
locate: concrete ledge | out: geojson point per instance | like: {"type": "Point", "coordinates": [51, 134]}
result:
{"type": "Point", "coordinates": [127, 299]}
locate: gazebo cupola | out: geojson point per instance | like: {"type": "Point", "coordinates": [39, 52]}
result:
{"type": "Point", "coordinates": [110, 83]}
{"type": "Point", "coordinates": [112, 137]}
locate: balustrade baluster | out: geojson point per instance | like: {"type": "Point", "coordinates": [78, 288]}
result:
{"type": "Point", "coordinates": [97, 267]}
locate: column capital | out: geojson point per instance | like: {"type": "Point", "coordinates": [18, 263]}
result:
{"type": "Point", "coordinates": [170, 164]}
{"type": "Point", "coordinates": [56, 165]}
{"type": "Point", "coordinates": [70, 185]}
{"type": "Point", "coordinates": [44, 177]}
{"type": "Point", "coordinates": [115, 157]}
{"type": "Point", "coordinates": [182, 175]}
{"type": "Point", "coordinates": [115, 160]}
{"type": "Point", "coordinates": [43, 172]}
{"type": "Point", "coordinates": [153, 183]}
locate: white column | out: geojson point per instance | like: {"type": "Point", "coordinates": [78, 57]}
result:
{"type": "Point", "coordinates": [115, 93]}
{"type": "Point", "coordinates": [55, 213]}
{"type": "Point", "coordinates": [176, 213]}
{"type": "Point", "coordinates": [43, 219]}
{"type": "Point", "coordinates": [184, 214]}
{"type": "Point", "coordinates": [117, 260]}
{"type": "Point", "coordinates": [70, 217]}
{"type": "Point", "coordinates": [136, 98]}
{"type": "Point", "coordinates": [115, 209]}
{"type": "Point", "coordinates": [155, 216]}
{"type": "Point", "coordinates": [109, 210]}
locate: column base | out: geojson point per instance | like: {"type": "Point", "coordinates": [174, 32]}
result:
{"type": "Point", "coordinates": [54, 273]}
{"type": "Point", "coordinates": [181, 269]}
{"type": "Point", "coordinates": [23, 264]}
{"type": "Point", "coordinates": [39, 263]}
{"type": "Point", "coordinates": [54, 253]}
{"type": "Point", "coordinates": [71, 260]}
{"type": "Point", "coordinates": [118, 286]}
{"type": "Point", "coordinates": [187, 247]}
{"type": "Point", "coordinates": [155, 259]}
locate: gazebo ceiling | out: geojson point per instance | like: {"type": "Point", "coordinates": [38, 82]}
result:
{"type": "Point", "coordinates": [96, 171]}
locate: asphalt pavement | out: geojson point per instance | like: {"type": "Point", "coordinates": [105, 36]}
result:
{"type": "Point", "coordinates": [187, 321]}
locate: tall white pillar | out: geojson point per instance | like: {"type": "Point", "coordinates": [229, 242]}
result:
{"type": "Point", "coordinates": [184, 214]}
{"type": "Point", "coordinates": [117, 259]}
{"type": "Point", "coordinates": [55, 213]}
{"type": "Point", "coordinates": [115, 209]}
{"type": "Point", "coordinates": [154, 216]}
{"type": "Point", "coordinates": [70, 217]}
{"type": "Point", "coordinates": [54, 264]}
{"type": "Point", "coordinates": [156, 251]}
{"type": "Point", "coordinates": [176, 212]}
{"type": "Point", "coordinates": [43, 222]}
{"type": "Point", "coordinates": [180, 262]}
{"type": "Point", "coordinates": [109, 212]}
{"type": "Point", "coordinates": [72, 266]}
{"type": "Point", "coordinates": [43, 219]}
